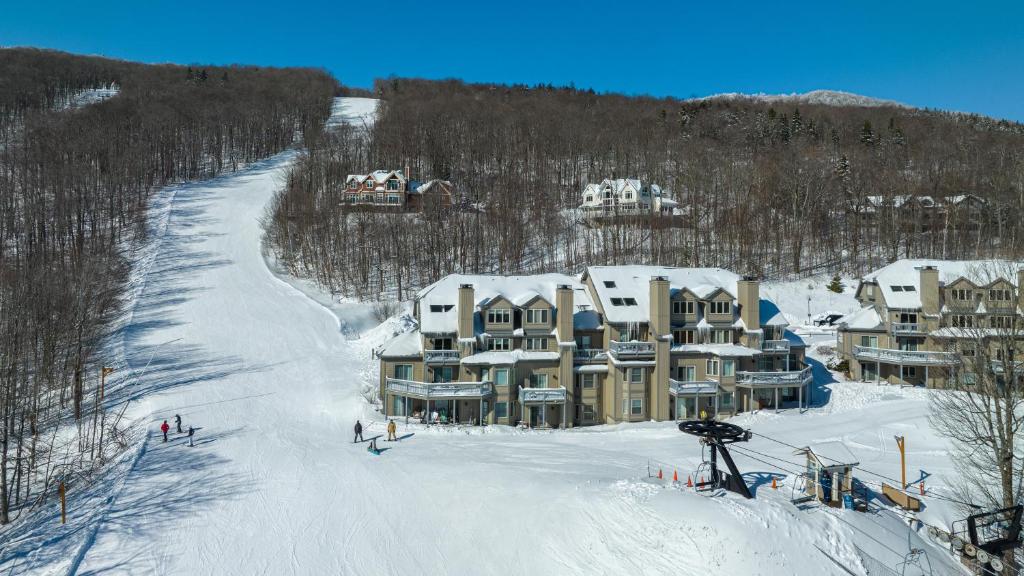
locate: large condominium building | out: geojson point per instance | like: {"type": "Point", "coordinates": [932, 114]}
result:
{"type": "Point", "coordinates": [624, 197]}
{"type": "Point", "coordinates": [619, 343]}
{"type": "Point", "coordinates": [920, 317]}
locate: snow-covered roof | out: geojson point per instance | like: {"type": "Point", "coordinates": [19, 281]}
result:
{"type": "Point", "coordinates": [770, 314]}
{"type": "Point", "coordinates": [378, 176]}
{"type": "Point", "coordinates": [443, 296]}
{"type": "Point", "coordinates": [404, 345]}
{"type": "Point", "coordinates": [832, 453]}
{"type": "Point", "coordinates": [795, 341]}
{"type": "Point", "coordinates": [495, 357]}
{"type": "Point", "coordinates": [633, 282]}
{"type": "Point", "coordinates": [426, 187]}
{"type": "Point", "coordinates": [866, 318]}
{"type": "Point", "coordinates": [900, 282]}
{"type": "Point", "coordinates": [728, 350]}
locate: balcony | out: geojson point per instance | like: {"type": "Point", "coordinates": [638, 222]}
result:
{"type": "Point", "coordinates": [621, 349]}
{"type": "Point", "coordinates": [439, 390]}
{"type": "Point", "coordinates": [585, 355]}
{"type": "Point", "coordinates": [788, 379]}
{"type": "Point", "coordinates": [542, 395]}
{"type": "Point", "coordinates": [698, 388]}
{"type": "Point", "coordinates": [905, 357]}
{"type": "Point", "coordinates": [907, 328]}
{"type": "Point", "coordinates": [776, 346]}
{"type": "Point", "coordinates": [441, 356]}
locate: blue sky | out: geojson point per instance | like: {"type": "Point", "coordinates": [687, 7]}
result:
{"type": "Point", "coordinates": [966, 56]}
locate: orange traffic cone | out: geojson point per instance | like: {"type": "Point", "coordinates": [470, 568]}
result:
{"type": "Point", "coordinates": [922, 488]}
{"type": "Point", "coordinates": [689, 481]}
{"type": "Point", "coordinates": [775, 486]}
{"type": "Point", "coordinates": [675, 476]}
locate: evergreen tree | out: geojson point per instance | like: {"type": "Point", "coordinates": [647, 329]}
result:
{"type": "Point", "coordinates": [836, 285]}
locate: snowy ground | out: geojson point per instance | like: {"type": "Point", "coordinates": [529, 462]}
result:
{"type": "Point", "coordinates": [274, 380]}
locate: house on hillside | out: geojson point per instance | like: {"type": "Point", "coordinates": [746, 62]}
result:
{"type": "Point", "coordinates": [624, 198]}
{"type": "Point", "coordinates": [922, 213]}
{"type": "Point", "coordinates": [433, 194]}
{"type": "Point", "coordinates": [393, 190]}
{"type": "Point", "coordinates": [921, 317]}
{"type": "Point", "coordinates": [615, 344]}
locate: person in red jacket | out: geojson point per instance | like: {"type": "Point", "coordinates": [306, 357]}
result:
{"type": "Point", "coordinates": [164, 428]}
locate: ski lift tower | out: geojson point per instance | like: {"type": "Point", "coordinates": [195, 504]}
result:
{"type": "Point", "coordinates": [716, 435]}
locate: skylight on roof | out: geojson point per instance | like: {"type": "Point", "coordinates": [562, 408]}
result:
{"type": "Point", "coordinates": [909, 289]}
{"type": "Point", "coordinates": [616, 301]}
{"type": "Point", "coordinates": [896, 288]}
{"type": "Point", "coordinates": [609, 284]}
{"type": "Point", "coordinates": [441, 307]}
{"type": "Point", "coordinates": [630, 301]}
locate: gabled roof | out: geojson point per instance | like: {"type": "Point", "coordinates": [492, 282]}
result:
{"type": "Point", "coordinates": [405, 345]}
{"type": "Point", "coordinates": [377, 176]}
{"type": "Point", "coordinates": [634, 282]}
{"type": "Point", "coordinates": [866, 318]}
{"type": "Point", "coordinates": [907, 273]}
{"type": "Point", "coordinates": [770, 314]}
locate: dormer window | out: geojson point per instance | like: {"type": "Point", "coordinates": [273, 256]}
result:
{"type": "Point", "coordinates": [536, 316]}
{"type": "Point", "coordinates": [393, 184]}
{"type": "Point", "coordinates": [629, 195]}
{"type": "Point", "coordinates": [499, 316]}
{"type": "Point", "coordinates": [719, 307]}
{"type": "Point", "coordinates": [589, 198]}
{"type": "Point", "coordinates": [353, 184]}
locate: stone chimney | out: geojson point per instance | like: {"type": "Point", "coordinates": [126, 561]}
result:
{"type": "Point", "coordinates": [659, 306]}
{"type": "Point", "coordinates": [929, 290]}
{"type": "Point", "coordinates": [467, 304]}
{"type": "Point", "coordinates": [749, 297]}
{"type": "Point", "coordinates": [564, 306]}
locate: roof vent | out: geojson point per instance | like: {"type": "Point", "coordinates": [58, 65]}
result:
{"type": "Point", "coordinates": [466, 286]}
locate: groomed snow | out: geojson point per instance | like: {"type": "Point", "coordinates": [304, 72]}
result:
{"type": "Point", "coordinates": [274, 381]}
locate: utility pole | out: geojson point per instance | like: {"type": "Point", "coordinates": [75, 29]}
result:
{"type": "Point", "coordinates": [901, 442]}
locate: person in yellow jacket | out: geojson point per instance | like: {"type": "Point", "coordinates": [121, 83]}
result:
{"type": "Point", "coordinates": [391, 430]}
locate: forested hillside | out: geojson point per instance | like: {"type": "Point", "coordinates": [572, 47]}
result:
{"type": "Point", "coordinates": [74, 183]}
{"type": "Point", "coordinates": [773, 189]}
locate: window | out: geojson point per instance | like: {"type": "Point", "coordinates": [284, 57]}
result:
{"type": "Point", "coordinates": [441, 307]}
{"type": "Point", "coordinates": [587, 380]}
{"type": "Point", "coordinates": [871, 291]}
{"type": "Point", "coordinates": [999, 295]}
{"type": "Point", "coordinates": [501, 409]}
{"type": "Point", "coordinates": [728, 367]}
{"type": "Point", "coordinates": [636, 407]}
{"type": "Point", "coordinates": [636, 375]}
{"type": "Point", "coordinates": [909, 289]}
{"type": "Point", "coordinates": [683, 336]}
{"type": "Point", "coordinates": [682, 307]}
{"type": "Point", "coordinates": [583, 342]}
{"type": "Point", "coordinates": [499, 344]}
{"type": "Point", "coordinates": [726, 398]}
{"type": "Point", "coordinates": [896, 288]}
{"type": "Point", "coordinates": [353, 184]}
{"type": "Point", "coordinates": [616, 301]}
{"type": "Point", "coordinates": [394, 199]}
{"type": "Point", "coordinates": [609, 284]}
{"type": "Point", "coordinates": [719, 307]}
{"type": "Point", "coordinates": [687, 373]}
{"type": "Point", "coordinates": [720, 337]}
{"type": "Point", "coordinates": [392, 184]}
{"type": "Point", "coordinates": [908, 318]}
{"type": "Point", "coordinates": [589, 414]}
{"type": "Point", "coordinates": [869, 341]}
{"type": "Point", "coordinates": [630, 301]}
{"type": "Point", "coordinates": [962, 321]}
{"type": "Point", "coordinates": [629, 195]}
{"type": "Point", "coordinates": [442, 344]}
{"type": "Point", "coordinates": [909, 372]}
{"type": "Point", "coordinates": [536, 316]}
{"type": "Point", "coordinates": [536, 343]}
{"type": "Point", "coordinates": [499, 316]}
{"type": "Point", "coordinates": [962, 294]}
{"type": "Point", "coordinates": [588, 198]}
{"type": "Point", "coordinates": [538, 380]}
{"type": "Point", "coordinates": [501, 377]}
{"type": "Point", "coordinates": [444, 374]}
{"type": "Point", "coordinates": [712, 368]}
{"type": "Point", "coordinates": [403, 371]}
{"type": "Point", "coordinates": [1001, 321]}
{"type": "Point", "coordinates": [909, 345]}
{"type": "Point", "coordinates": [968, 350]}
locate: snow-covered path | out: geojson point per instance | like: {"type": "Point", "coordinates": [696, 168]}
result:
{"type": "Point", "coordinates": [275, 485]}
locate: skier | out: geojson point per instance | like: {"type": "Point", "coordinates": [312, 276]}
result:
{"type": "Point", "coordinates": [373, 446]}
{"type": "Point", "coordinates": [391, 430]}
{"type": "Point", "coordinates": [359, 433]}
{"type": "Point", "coordinates": [191, 432]}
{"type": "Point", "coordinates": [164, 428]}
{"type": "Point", "coordinates": [177, 420]}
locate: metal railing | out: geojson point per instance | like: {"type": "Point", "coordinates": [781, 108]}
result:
{"type": "Point", "coordinates": [631, 348]}
{"type": "Point", "coordinates": [590, 354]}
{"type": "Point", "coordinates": [434, 356]}
{"type": "Point", "coordinates": [427, 390]}
{"type": "Point", "coordinates": [702, 387]}
{"type": "Point", "coordinates": [906, 328]}
{"type": "Point", "coordinates": [542, 395]}
{"type": "Point", "coordinates": [785, 378]}
{"type": "Point", "coordinates": [775, 346]}
{"type": "Point", "coordinates": [911, 357]}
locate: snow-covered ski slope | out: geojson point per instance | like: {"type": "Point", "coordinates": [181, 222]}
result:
{"type": "Point", "coordinates": [275, 485]}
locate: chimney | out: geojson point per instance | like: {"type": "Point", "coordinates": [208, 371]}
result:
{"type": "Point", "coordinates": [749, 296]}
{"type": "Point", "coordinates": [408, 172]}
{"type": "Point", "coordinates": [467, 305]}
{"type": "Point", "coordinates": [564, 306]}
{"type": "Point", "coordinates": [929, 290]}
{"type": "Point", "coordinates": [659, 306]}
